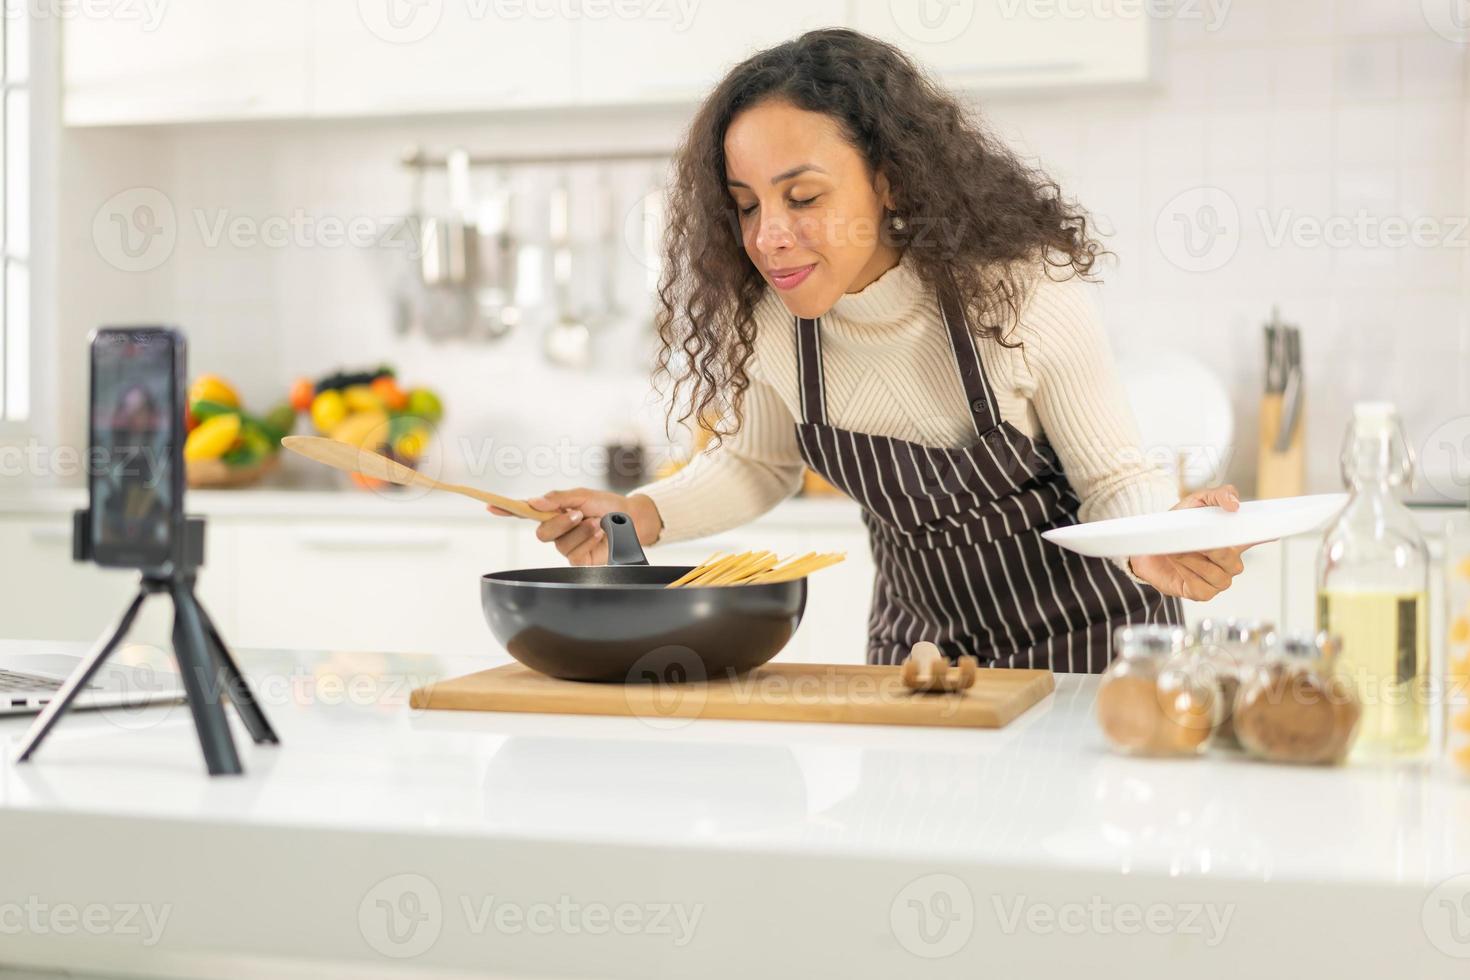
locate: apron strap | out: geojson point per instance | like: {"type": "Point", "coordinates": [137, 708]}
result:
{"type": "Point", "coordinates": [984, 409]}
{"type": "Point", "coordinates": [809, 370]}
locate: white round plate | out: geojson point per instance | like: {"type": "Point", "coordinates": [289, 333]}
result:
{"type": "Point", "coordinates": [1199, 528]}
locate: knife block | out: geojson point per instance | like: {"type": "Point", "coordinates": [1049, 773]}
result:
{"type": "Point", "coordinates": [1280, 474]}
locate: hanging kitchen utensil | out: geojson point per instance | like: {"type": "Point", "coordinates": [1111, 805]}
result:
{"type": "Point", "coordinates": [449, 242]}
{"type": "Point", "coordinates": [448, 258]}
{"type": "Point", "coordinates": [405, 244]}
{"type": "Point", "coordinates": [352, 459]}
{"type": "Point", "coordinates": [652, 241]}
{"type": "Point", "coordinates": [617, 621]}
{"type": "Point", "coordinates": [568, 341]}
{"type": "Point", "coordinates": [609, 312]}
{"type": "Point", "coordinates": [497, 268]}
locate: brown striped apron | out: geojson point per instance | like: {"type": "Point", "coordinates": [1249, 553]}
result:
{"type": "Point", "coordinates": [956, 533]}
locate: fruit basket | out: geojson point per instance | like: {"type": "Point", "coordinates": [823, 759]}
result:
{"type": "Point", "coordinates": [227, 446]}
{"type": "Point", "coordinates": [371, 410]}
{"type": "Point", "coordinates": [216, 474]}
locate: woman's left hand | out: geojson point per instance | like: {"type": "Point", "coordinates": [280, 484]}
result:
{"type": "Point", "coordinates": [1198, 575]}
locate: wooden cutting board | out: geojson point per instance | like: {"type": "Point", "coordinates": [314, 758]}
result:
{"type": "Point", "coordinates": [829, 693]}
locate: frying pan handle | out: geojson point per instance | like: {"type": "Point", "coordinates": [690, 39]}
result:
{"type": "Point", "coordinates": [622, 540]}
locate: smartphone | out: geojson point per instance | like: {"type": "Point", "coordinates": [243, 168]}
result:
{"type": "Point", "coordinates": [135, 458]}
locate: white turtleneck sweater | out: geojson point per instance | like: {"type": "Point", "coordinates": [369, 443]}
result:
{"type": "Point", "coordinates": [889, 371]}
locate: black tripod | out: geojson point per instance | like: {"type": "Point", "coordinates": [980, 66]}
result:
{"type": "Point", "coordinates": [205, 665]}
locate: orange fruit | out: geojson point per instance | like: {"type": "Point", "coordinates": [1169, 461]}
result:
{"type": "Point", "coordinates": [302, 393]}
{"type": "Point", "coordinates": [392, 396]}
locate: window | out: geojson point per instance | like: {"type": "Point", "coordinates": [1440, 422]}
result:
{"type": "Point", "coordinates": [15, 213]}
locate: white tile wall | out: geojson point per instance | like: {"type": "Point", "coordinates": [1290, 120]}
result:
{"type": "Point", "coordinates": [1303, 112]}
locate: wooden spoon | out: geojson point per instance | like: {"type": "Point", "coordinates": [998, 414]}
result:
{"type": "Point", "coordinates": [350, 459]}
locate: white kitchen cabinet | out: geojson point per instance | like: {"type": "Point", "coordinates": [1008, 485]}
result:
{"type": "Point", "coordinates": [217, 60]}
{"type": "Point", "coordinates": [756, 537]}
{"type": "Point", "coordinates": [200, 60]}
{"type": "Point", "coordinates": [398, 582]}
{"type": "Point", "coordinates": [45, 595]}
{"type": "Point", "coordinates": [391, 586]}
{"type": "Point", "coordinates": [1256, 592]}
{"type": "Point", "coordinates": [678, 55]}
{"type": "Point", "coordinates": [838, 597]}
{"type": "Point", "coordinates": [1299, 583]}
{"type": "Point", "coordinates": [396, 57]}
{"type": "Point", "coordinates": [1015, 44]}
{"type": "Point", "coordinates": [834, 628]}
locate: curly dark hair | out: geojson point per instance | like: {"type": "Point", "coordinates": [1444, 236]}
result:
{"type": "Point", "coordinates": [975, 216]}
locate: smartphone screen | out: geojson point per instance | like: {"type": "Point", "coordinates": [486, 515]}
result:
{"type": "Point", "coordinates": [135, 455]}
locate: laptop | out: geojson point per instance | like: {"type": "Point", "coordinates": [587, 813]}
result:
{"type": "Point", "coordinates": [28, 682]}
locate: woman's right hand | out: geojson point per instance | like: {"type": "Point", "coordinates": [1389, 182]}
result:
{"type": "Point", "coordinates": [576, 531]}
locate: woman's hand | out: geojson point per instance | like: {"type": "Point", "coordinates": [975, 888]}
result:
{"type": "Point", "coordinates": [575, 530]}
{"type": "Point", "coordinates": [1198, 575]}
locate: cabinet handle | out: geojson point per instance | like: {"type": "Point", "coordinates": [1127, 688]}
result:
{"type": "Point", "coordinates": [1029, 69]}
{"type": "Point", "coordinates": [486, 98]}
{"type": "Point", "coordinates": [672, 91]}
{"type": "Point", "coordinates": [374, 541]}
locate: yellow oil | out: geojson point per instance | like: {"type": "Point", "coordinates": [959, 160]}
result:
{"type": "Point", "coordinates": [1385, 651]}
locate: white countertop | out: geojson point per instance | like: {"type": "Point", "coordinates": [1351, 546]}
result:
{"type": "Point", "coordinates": [803, 850]}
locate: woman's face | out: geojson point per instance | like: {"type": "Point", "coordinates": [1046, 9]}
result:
{"type": "Point", "coordinates": [810, 212]}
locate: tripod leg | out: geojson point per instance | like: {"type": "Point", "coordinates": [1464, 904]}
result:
{"type": "Point", "coordinates": [239, 689]}
{"type": "Point", "coordinates": [79, 678]}
{"type": "Point", "coordinates": [203, 683]}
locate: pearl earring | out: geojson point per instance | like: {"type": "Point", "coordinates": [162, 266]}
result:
{"type": "Point", "coordinates": [897, 223]}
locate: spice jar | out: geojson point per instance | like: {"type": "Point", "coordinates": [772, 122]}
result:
{"type": "Point", "coordinates": [1153, 699]}
{"type": "Point", "coordinates": [1293, 706]}
{"type": "Point", "coordinates": [1229, 648]}
{"type": "Point", "coordinates": [1457, 647]}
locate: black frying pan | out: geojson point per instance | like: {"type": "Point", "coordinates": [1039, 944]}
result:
{"type": "Point", "coordinates": [617, 622]}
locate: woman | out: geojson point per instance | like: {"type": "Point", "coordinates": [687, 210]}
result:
{"type": "Point", "coordinates": [860, 280]}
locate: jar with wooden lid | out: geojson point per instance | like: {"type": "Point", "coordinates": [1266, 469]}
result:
{"type": "Point", "coordinates": [1229, 649]}
{"type": "Point", "coordinates": [1294, 706]}
{"type": "Point", "coordinates": [1154, 700]}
